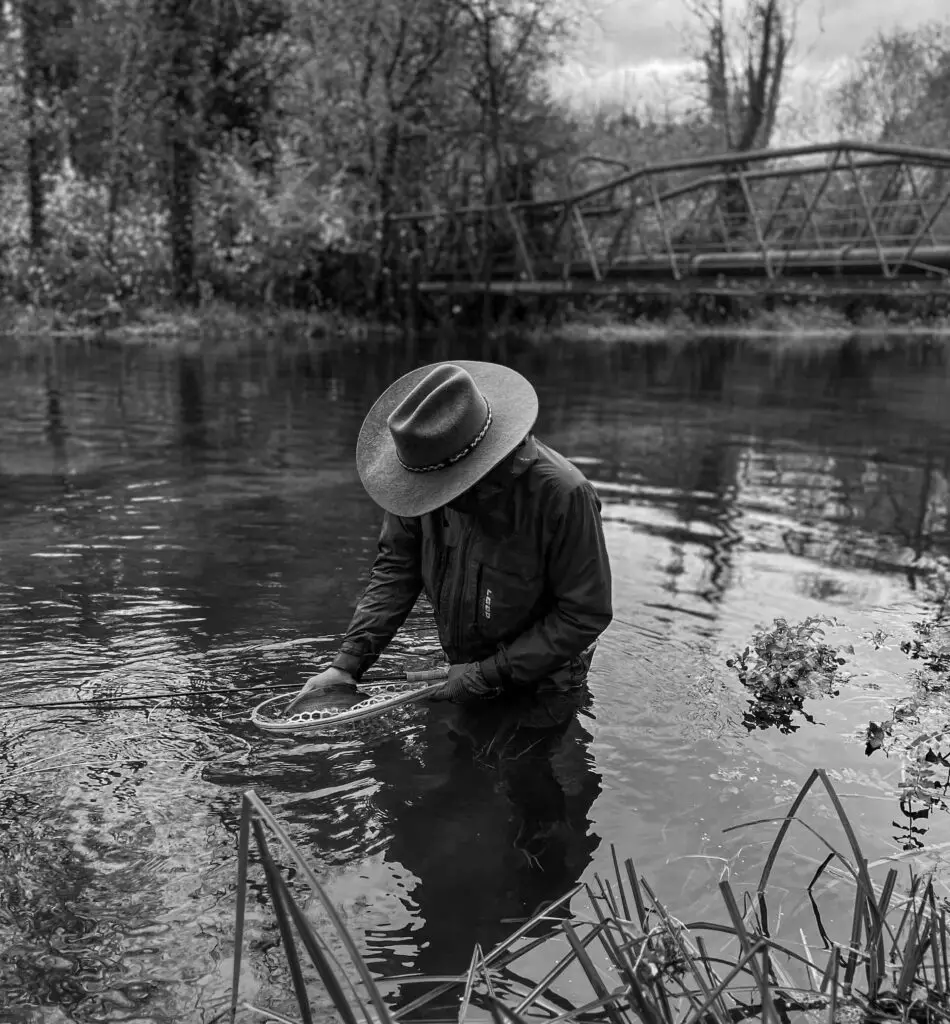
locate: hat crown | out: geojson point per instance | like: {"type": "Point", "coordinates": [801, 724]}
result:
{"type": "Point", "coordinates": [440, 421]}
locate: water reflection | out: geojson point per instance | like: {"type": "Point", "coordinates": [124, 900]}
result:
{"type": "Point", "coordinates": [164, 515]}
{"type": "Point", "coordinates": [491, 818]}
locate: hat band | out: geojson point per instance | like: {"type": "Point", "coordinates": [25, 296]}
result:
{"type": "Point", "coordinates": [452, 459]}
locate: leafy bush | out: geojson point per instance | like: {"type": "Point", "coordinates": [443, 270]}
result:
{"type": "Point", "coordinates": [791, 660]}
{"type": "Point", "coordinates": [297, 244]}
{"type": "Point", "coordinates": [81, 263]}
{"type": "Point", "coordinates": [293, 241]}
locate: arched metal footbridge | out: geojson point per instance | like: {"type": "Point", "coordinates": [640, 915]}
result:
{"type": "Point", "coordinates": [839, 217]}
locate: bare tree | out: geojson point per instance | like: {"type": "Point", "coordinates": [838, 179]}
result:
{"type": "Point", "coordinates": [743, 61]}
{"type": "Point", "coordinates": [896, 88]}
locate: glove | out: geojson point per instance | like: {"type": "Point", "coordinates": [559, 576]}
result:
{"type": "Point", "coordinates": [465, 682]}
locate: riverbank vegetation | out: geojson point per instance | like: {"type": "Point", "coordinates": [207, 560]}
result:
{"type": "Point", "coordinates": [160, 154]}
{"type": "Point", "coordinates": [611, 949]}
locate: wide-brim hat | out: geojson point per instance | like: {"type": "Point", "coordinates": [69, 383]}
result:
{"type": "Point", "coordinates": [438, 430]}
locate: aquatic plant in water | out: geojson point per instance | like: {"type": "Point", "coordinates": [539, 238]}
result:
{"type": "Point", "coordinates": [785, 664]}
{"type": "Point", "coordinates": [918, 730]}
{"type": "Point", "coordinates": [615, 953]}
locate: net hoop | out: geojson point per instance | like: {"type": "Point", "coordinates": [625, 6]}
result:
{"type": "Point", "coordinates": [385, 698]}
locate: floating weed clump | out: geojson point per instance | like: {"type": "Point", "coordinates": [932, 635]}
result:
{"type": "Point", "coordinates": [784, 665]}
{"type": "Point", "coordinates": [614, 953]}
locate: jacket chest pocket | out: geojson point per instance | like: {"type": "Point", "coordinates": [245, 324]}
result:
{"type": "Point", "coordinates": [509, 595]}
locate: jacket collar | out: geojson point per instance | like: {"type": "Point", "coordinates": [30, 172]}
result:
{"type": "Point", "coordinates": [525, 456]}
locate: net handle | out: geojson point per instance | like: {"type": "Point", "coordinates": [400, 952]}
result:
{"type": "Point", "coordinates": [428, 675]}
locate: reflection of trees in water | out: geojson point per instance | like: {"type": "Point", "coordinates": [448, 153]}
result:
{"type": "Point", "coordinates": [862, 513]}
{"type": "Point", "coordinates": [191, 404]}
{"type": "Point", "coordinates": [835, 436]}
{"type": "Point", "coordinates": [700, 429]}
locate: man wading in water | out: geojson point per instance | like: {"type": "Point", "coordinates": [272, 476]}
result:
{"type": "Point", "coordinates": [502, 533]}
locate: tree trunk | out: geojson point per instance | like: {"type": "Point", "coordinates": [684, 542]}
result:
{"type": "Point", "coordinates": [183, 167]}
{"type": "Point", "coordinates": [32, 45]}
{"type": "Point", "coordinates": [179, 24]}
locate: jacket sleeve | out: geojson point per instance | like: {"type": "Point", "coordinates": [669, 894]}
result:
{"type": "Point", "coordinates": [578, 574]}
{"type": "Point", "coordinates": [394, 585]}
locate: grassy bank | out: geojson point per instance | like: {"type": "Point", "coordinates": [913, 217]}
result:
{"type": "Point", "coordinates": [217, 324]}
{"type": "Point", "coordinates": [798, 321]}
{"type": "Point", "coordinates": [211, 325]}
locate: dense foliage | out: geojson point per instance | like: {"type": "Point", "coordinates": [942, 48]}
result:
{"type": "Point", "coordinates": [256, 149]}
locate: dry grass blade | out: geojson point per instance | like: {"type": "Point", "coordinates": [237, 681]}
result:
{"type": "Point", "coordinates": [812, 967]}
{"type": "Point", "coordinates": [606, 894]}
{"type": "Point", "coordinates": [580, 1011]}
{"type": "Point", "coordinates": [637, 896]}
{"type": "Point", "coordinates": [783, 829]}
{"type": "Point", "coordinates": [908, 910]}
{"type": "Point", "coordinates": [687, 958]}
{"type": "Point", "coordinates": [859, 858]}
{"type": "Point", "coordinates": [244, 847]}
{"type": "Point", "coordinates": [769, 1013]}
{"type": "Point", "coordinates": [742, 964]}
{"type": "Point", "coordinates": [502, 1014]}
{"type": "Point", "coordinates": [763, 914]}
{"type": "Point", "coordinates": [469, 983]}
{"type": "Point", "coordinates": [281, 898]}
{"type": "Point", "coordinates": [942, 940]}
{"type": "Point", "coordinates": [877, 965]}
{"type": "Point", "coordinates": [935, 944]}
{"type": "Point", "coordinates": [621, 888]}
{"type": "Point", "coordinates": [714, 980]}
{"type": "Point", "coordinates": [833, 980]}
{"type": "Point", "coordinates": [820, 871]}
{"type": "Point", "coordinates": [617, 955]}
{"type": "Point", "coordinates": [593, 975]}
{"type": "Point", "coordinates": [913, 956]}
{"type": "Point", "coordinates": [499, 951]}
{"type": "Point", "coordinates": [857, 919]}
{"type": "Point", "coordinates": [560, 966]}
{"type": "Point", "coordinates": [500, 956]}
{"type": "Point", "coordinates": [724, 929]}
{"type": "Point", "coordinates": [486, 974]}
{"type": "Point", "coordinates": [835, 853]}
{"type": "Point", "coordinates": [311, 879]}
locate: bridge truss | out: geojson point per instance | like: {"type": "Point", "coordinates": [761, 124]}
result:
{"type": "Point", "coordinates": [837, 217]}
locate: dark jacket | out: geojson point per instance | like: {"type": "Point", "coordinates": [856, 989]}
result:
{"type": "Point", "coordinates": [523, 588]}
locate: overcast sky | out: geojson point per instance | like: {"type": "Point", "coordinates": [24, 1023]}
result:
{"type": "Point", "coordinates": [638, 52]}
{"type": "Point", "coordinates": [641, 31]}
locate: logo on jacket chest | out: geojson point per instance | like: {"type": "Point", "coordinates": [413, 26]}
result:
{"type": "Point", "coordinates": [486, 604]}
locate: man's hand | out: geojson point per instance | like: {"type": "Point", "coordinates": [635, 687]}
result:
{"type": "Point", "coordinates": [465, 682]}
{"type": "Point", "coordinates": [325, 680]}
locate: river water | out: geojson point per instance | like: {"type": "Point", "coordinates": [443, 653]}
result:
{"type": "Point", "coordinates": [182, 521]}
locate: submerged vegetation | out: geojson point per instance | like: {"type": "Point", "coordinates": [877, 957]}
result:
{"type": "Point", "coordinates": [614, 952]}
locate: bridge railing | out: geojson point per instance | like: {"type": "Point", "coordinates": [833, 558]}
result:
{"type": "Point", "coordinates": [842, 208]}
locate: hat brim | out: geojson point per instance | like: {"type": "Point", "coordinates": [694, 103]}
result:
{"type": "Point", "coordinates": [514, 405]}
